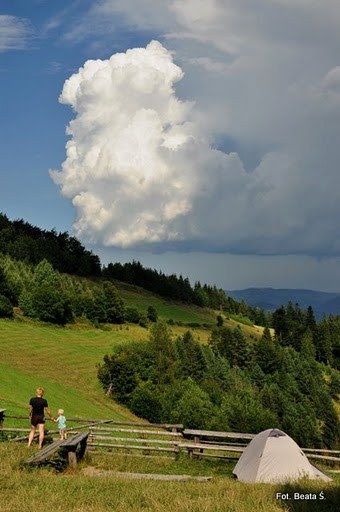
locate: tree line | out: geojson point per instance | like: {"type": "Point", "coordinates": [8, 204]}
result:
{"type": "Point", "coordinates": [31, 244]}
{"type": "Point", "coordinates": [43, 293]}
{"type": "Point", "coordinates": [22, 241]}
{"type": "Point", "coordinates": [226, 385]}
{"type": "Point", "coordinates": [178, 288]}
{"type": "Point", "coordinates": [295, 327]}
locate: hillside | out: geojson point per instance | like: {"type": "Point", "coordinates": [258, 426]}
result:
{"type": "Point", "coordinates": [269, 299]}
{"type": "Point", "coordinates": [64, 360]}
{"type": "Point", "coordinates": [201, 320]}
{"type": "Point", "coordinates": [127, 328]}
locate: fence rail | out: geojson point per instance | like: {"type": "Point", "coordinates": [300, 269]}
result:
{"type": "Point", "coordinates": [130, 437]}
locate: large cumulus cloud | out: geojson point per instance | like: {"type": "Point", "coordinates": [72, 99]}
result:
{"type": "Point", "coordinates": [139, 168]}
{"type": "Point", "coordinates": [142, 166]}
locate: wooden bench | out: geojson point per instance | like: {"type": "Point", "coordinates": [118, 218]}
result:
{"type": "Point", "coordinates": [205, 441]}
{"type": "Point", "coordinates": [69, 446]}
{"type": "Point", "coordinates": [44, 454]}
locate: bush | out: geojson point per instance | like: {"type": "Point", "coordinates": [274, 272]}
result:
{"type": "Point", "coordinates": [113, 304]}
{"type": "Point", "coordinates": [26, 303]}
{"type": "Point", "coordinates": [50, 305]}
{"type": "Point", "coordinates": [143, 320]}
{"type": "Point", "coordinates": [243, 412]}
{"type": "Point", "coordinates": [6, 308]}
{"type": "Point", "coordinates": [146, 402]}
{"type": "Point", "coordinates": [194, 409]}
{"type": "Point", "coordinates": [152, 314]}
{"type": "Point", "coordinates": [132, 315]}
{"type": "Point", "coordinates": [219, 321]}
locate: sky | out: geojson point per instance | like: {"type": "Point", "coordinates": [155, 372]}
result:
{"type": "Point", "coordinates": [199, 137]}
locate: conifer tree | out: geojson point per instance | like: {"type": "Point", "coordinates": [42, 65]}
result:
{"type": "Point", "coordinates": [192, 362]}
{"type": "Point", "coordinates": [164, 351]}
{"type": "Point", "coordinates": [307, 345]}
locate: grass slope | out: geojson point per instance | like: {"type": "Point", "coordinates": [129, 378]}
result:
{"type": "Point", "coordinates": [63, 360]}
{"type": "Point", "coordinates": [139, 298]}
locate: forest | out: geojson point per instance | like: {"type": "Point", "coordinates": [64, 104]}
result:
{"type": "Point", "coordinates": [227, 385]}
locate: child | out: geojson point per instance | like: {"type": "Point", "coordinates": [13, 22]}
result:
{"type": "Point", "coordinates": [61, 420]}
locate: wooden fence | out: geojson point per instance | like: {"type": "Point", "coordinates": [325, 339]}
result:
{"type": "Point", "coordinates": [146, 439]}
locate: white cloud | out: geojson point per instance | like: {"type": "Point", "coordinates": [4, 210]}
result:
{"type": "Point", "coordinates": [265, 80]}
{"type": "Point", "coordinates": [14, 33]}
{"type": "Point", "coordinates": [121, 169]}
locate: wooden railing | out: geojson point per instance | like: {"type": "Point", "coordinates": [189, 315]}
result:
{"type": "Point", "coordinates": [148, 439]}
{"type": "Point", "coordinates": [136, 437]}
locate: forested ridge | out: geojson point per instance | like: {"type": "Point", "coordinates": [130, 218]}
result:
{"type": "Point", "coordinates": [24, 242]}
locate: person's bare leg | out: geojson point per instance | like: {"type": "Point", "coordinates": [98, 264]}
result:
{"type": "Point", "coordinates": [41, 427]}
{"type": "Point", "coordinates": [31, 436]}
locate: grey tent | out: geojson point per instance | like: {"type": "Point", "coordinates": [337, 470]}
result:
{"type": "Point", "coordinates": [272, 456]}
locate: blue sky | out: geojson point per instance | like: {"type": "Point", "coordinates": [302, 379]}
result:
{"type": "Point", "coordinates": [212, 151]}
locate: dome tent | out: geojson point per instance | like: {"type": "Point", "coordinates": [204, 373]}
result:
{"type": "Point", "coordinates": [271, 457]}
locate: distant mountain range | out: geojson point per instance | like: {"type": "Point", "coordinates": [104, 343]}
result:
{"type": "Point", "coordinates": [270, 299]}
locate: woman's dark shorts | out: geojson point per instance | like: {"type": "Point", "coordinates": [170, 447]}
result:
{"type": "Point", "coordinates": [36, 419]}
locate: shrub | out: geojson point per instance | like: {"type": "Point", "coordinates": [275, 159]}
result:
{"type": "Point", "coordinates": [143, 320]}
{"type": "Point", "coordinates": [219, 321]}
{"type": "Point", "coordinates": [152, 314]}
{"type": "Point", "coordinates": [132, 315]}
{"type": "Point", "coordinates": [194, 409]}
{"type": "Point", "coordinates": [50, 305]}
{"type": "Point", "coordinates": [6, 308]}
{"type": "Point", "coordinates": [145, 401]}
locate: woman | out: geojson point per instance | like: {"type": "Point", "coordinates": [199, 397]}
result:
{"type": "Point", "coordinates": [37, 407]}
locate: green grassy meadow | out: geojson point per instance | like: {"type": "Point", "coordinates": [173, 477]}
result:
{"type": "Point", "coordinates": [139, 298]}
{"type": "Point", "coordinates": [95, 486]}
{"type": "Point", "coordinates": [63, 361]}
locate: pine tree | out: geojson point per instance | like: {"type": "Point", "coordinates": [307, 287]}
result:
{"type": "Point", "coordinates": [267, 353]}
{"type": "Point", "coordinates": [280, 325]}
{"type": "Point", "coordinates": [307, 346]}
{"type": "Point", "coordinates": [164, 351]}
{"type": "Point", "coordinates": [192, 362]}
{"type": "Point", "coordinates": [113, 304]}
{"type": "Point", "coordinates": [241, 351]}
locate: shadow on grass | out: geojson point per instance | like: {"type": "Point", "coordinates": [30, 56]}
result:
{"type": "Point", "coordinates": [302, 498]}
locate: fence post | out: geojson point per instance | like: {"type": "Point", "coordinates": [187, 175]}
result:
{"type": "Point", "coordinates": [2, 417]}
